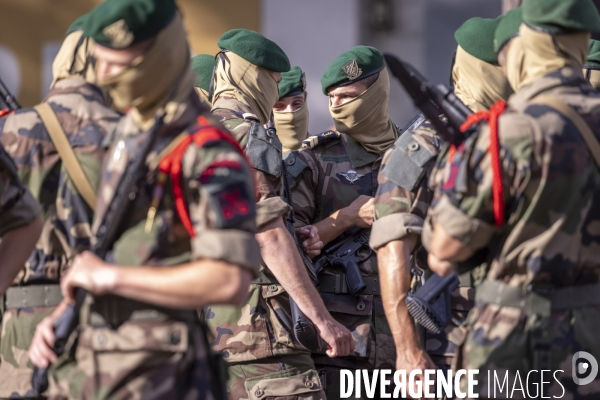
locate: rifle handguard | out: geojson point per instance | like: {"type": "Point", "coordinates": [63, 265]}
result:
{"type": "Point", "coordinates": [430, 304]}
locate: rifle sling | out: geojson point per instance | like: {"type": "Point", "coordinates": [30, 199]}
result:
{"type": "Point", "coordinates": [67, 154]}
{"type": "Point", "coordinates": [584, 129]}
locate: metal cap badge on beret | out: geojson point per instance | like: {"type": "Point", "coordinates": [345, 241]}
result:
{"type": "Point", "coordinates": [256, 49]}
{"type": "Point", "coordinates": [508, 27]}
{"type": "Point", "coordinates": [203, 66]}
{"type": "Point", "coordinates": [120, 23]}
{"type": "Point", "coordinates": [561, 16]}
{"type": "Point", "coordinates": [476, 37]}
{"type": "Point", "coordinates": [593, 59]}
{"type": "Point", "coordinates": [355, 64]}
{"type": "Point", "coordinates": [292, 82]}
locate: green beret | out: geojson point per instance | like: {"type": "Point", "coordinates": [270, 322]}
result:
{"type": "Point", "coordinates": [203, 66]}
{"type": "Point", "coordinates": [355, 64]}
{"type": "Point", "coordinates": [255, 48]}
{"type": "Point", "coordinates": [476, 37]}
{"type": "Point", "coordinates": [593, 59]}
{"type": "Point", "coordinates": [561, 16]}
{"type": "Point", "coordinates": [120, 23]}
{"type": "Point", "coordinates": [292, 82]}
{"type": "Point", "coordinates": [77, 25]}
{"type": "Point", "coordinates": [508, 28]}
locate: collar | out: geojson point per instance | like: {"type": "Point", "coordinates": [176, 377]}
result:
{"type": "Point", "coordinates": [567, 76]}
{"type": "Point", "coordinates": [359, 157]}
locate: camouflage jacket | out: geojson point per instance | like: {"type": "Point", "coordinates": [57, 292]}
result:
{"type": "Point", "coordinates": [260, 328]}
{"type": "Point", "coordinates": [86, 120]}
{"type": "Point", "coordinates": [548, 239]}
{"type": "Point", "coordinates": [161, 357]}
{"type": "Point", "coordinates": [329, 173]}
{"type": "Point", "coordinates": [401, 204]}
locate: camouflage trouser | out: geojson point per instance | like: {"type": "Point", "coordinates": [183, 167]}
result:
{"type": "Point", "coordinates": [287, 377]}
{"type": "Point", "coordinates": [137, 360]}
{"type": "Point", "coordinates": [18, 327]}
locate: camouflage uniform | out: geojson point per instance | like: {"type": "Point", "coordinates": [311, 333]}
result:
{"type": "Point", "coordinates": [86, 120]}
{"type": "Point", "coordinates": [329, 173]}
{"type": "Point", "coordinates": [401, 204]}
{"type": "Point", "coordinates": [128, 348]}
{"type": "Point", "coordinates": [256, 338]}
{"type": "Point", "coordinates": [535, 310]}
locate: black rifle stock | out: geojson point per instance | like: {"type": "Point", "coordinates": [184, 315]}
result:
{"type": "Point", "coordinates": [342, 254]}
{"type": "Point", "coordinates": [7, 100]}
{"type": "Point", "coordinates": [106, 235]}
{"type": "Point", "coordinates": [433, 101]}
{"type": "Point", "coordinates": [302, 327]}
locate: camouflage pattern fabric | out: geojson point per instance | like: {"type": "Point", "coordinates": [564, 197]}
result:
{"type": "Point", "coordinates": [286, 377]}
{"type": "Point", "coordinates": [551, 186]}
{"type": "Point", "coordinates": [401, 211]}
{"type": "Point", "coordinates": [86, 120]}
{"type": "Point", "coordinates": [325, 178]}
{"type": "Point", "coordinates": [162, 359]}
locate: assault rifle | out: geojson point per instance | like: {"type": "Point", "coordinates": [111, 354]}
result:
{"type": "Point", "coordinates": [302, 327]}
{"type": "Point", "coordinates": [106, 235]}
{"type": "Point", "coordinates": [7, 100]}
{"type": "Point", "coordinates": [343, 254]}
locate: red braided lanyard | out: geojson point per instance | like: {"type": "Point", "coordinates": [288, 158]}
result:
{"type": "Point", "coordinates": [494, 149]}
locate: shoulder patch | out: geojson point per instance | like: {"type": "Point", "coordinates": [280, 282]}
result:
{"type": "Point", "coordinates": [405, 165]}
{"type": "Point", "coordinates": [294, 164]}
{"type": "Point", "coordinates": [263, 150]}
{"type": "Point", "coordinates": [231, 203]}
{"type": "Point", "coordinates": [319, 139]}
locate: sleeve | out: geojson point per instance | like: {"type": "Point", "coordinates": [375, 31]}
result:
{"type": "Point", "coordinates": [303, 177]}
{"type": "Point", "coordinates": [221, 205]}
{"type": "Point", "coordinates": [463, 204]}
{"type": "Point", "coordinates": [18, 207]}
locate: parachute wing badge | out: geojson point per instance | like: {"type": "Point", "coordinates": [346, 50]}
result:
{"type": "Point", "coordinates": [352, 176]}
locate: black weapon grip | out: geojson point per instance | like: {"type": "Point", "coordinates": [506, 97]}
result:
{"type": "Point", "coordinates": [304, 330]}
{"type": "Point", "coordinates": [354, 280]}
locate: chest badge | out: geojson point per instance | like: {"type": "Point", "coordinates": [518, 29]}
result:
{"type": "Point", "coordinates": [352, 176]}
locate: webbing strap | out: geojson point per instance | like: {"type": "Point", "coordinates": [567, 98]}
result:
{"type": "Point", "coordinates": [582, 126]}
{"type": "Point", "coordinates": [66, 153]}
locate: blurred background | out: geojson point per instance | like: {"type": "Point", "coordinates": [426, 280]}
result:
{"type": "Point", "coordinates": [311, 32]}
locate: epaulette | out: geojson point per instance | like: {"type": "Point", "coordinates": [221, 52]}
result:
{"type": "Point", "coordinates": [319, 139]}
{"type": "Point", "coordinates": [250, 117]}
{"type": "Point", "coordinates": [406, 163]}
{"type": "Point", "coordinates": [294, 164]}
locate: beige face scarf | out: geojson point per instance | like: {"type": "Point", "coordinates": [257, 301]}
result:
{"type": "Point", "coordinates": [71, 61]}
{"type": "Point", "coordinates": [477, 83]}
{"type": "Point", "coordinates": [254, 86]}
{"type": "Point", "coordinates": [292, 127]}
{"type": "Point", "coordinates": [159, 78]}
{"type": "Point", "coordinates": [366, 118]}
{"type": "Point", "coordinates": [534, 54]}
{"type": "Point", "coordinates": [594, 77]}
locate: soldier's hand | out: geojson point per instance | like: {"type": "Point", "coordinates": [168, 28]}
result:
{"type": "Point", "coordinates": [440, 267]}
{"type": "Point", "coordinates": [90, 273]}
{"type": "Point", "coordinates": [40, 351]}
{"type": "Point", "coordinates": [361, 211]}
{"type": "Point", "coordinates": [311, 242]}
{"type": "Point", "coordinates": [337, 336]}
{"type": "Point", "coordinates": [410, 360]}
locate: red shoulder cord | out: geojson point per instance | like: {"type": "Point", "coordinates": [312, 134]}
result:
{"type": "Point", "coordinates": [171, 164]}
{"type": "Point", "coordinates": [5, 111]}
{"type": "Point", "coordinates": [494, 149]}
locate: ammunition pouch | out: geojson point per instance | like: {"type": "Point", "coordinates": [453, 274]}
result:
{"type": "Point", "coordinates": [33, 296]}
{"type": "Point", "coordinates": [539, 300]}
{"type": "Point", "coordinates": [337, 284]}
{"type": "Point", "coordinates": [114, 311]}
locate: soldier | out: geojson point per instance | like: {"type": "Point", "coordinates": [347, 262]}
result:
{"type": "Point", "coordinates": [290, 112]}
{"type": "Point", "coordinates": [523, 192]}
{"type": "Point", "coordinates": [41, 150]}
{"type": "Point", "coordinates": [403, 197]}
{"type": "Point", "coordinates": [257, 339]}
{"type": "Point", "coordinates": [187, 239]}
{"type": "Point", "coordinates": [203, 65]}
{"type": "Point", "coordinates": [333, 180]}
{"type": "Point", "coordinates": [591, 69]}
